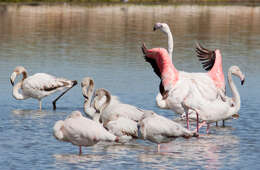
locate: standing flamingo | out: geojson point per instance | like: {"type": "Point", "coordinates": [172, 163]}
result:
{"type": "Point", "coordinates": [159, 129]}
{"type": "Point", "coordinates": [81, 131]}
{"type": "Point", "coordinates": [39, 85]}
{"type": "Point", "coordinates": [175, 84]}
{"type": "Point", "coordinates": [216, 110]}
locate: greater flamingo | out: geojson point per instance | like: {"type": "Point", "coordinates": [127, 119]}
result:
{"type": "Point", "coordinates": [217, 110]}
{"type": "Point", "coordinates": [82, 131]}
{"type": "Point", "coordinates": [175, 84]}
{"type": "Point", "coordinates": [39, 85]}
{"type": "Point", "coordinates": [115, 107]}
{"type": "Point", "coordinates": [159, 129]}
{"type": "Point", "coordinates": [207, 57]}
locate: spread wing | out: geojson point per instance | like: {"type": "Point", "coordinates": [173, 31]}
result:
{"type": "Point", "coordinates": [206, 57]}
{"type": "Point", "coordinates": [151, 61]}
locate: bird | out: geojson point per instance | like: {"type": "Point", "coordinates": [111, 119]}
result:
{"type": "Point", "coordinates": [175, 84]}
{"type": "Point", "coordinates": [116, 121]}
{"type": "Point", "coordinates": [39, 85]}
{"type": "Point", "coordinates": [81, 131]}
{"type": "Point", "coordinates": [115, 107]}
{"type": "Point", "coordinates": [213, 111]}
{"type": "Point", "coordinates": [159, 129]}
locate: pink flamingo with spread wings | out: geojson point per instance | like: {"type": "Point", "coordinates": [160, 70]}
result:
{"type": "Point", "coordinates": [175, 84]}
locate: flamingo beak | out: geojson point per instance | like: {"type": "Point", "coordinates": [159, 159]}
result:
{"type": "Point", "coordinates": [12, 78]}
{"type": "Point", "coordinates": [154, 28]}
{"type": "Point", "coordinates": [242, 81]}
{"type": "Point", "coordinates": [12, 82]}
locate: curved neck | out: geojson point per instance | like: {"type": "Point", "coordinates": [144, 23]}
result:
{"type": "Point", "coordinates": [170, 43]}
{"type": "Point", "coordinates": [88, 93]}
{"type": "Point", "coordinates": [235, 93]}
{"type": "Point", "coordinates": [17, 95]}
{"type": "Point", "coordinates": [107, 102]}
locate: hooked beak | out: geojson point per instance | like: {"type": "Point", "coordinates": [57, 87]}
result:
{"type": "Point", "coordinates": [154, 28]}
{"type": "Point", "coordinates": [12, 82]}
{"type": "Point", "coordinates": [12, 78]}
{"type": "Point", "coordinates": [242, 81]}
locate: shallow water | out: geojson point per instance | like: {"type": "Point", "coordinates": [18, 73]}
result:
{"type": "Point", "coordinates": [104, 42]}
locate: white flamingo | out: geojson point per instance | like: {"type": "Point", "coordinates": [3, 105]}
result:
{"type": "Point", "coordinates": [118, 118]}
{"type": "Point", "coordinates": [114, 109]}
{"type": "Point", "coordinates": [116, 123]}
{"type": "Point", "coordinates": [216, 110]}
{"type": "Point", "coordinates": [39, 85]}
{"type": "Point", "coordinates": [159, 129]}
{"type": "Point", "coordinates": [81, 131]}
{"type": "Point", "coordinates": [211, 61]}
{"type": "Point", "coordinates": [175, 84]}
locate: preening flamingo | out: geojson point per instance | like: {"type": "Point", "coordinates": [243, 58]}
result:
{"type": "Point", "coordinates": [39, 85]}
{"type": "Point", "coordinates": [81, 131]}
{"type": "Point", "coordinates": [115, 107]}
{"type": "Point", "coordinates": [159, 129]}
{"type": "Point", "coordinates": [120, 119]}
{"type": "Point", "coordinates": [213, 111]}
{"type": "Point", "coordinates": [175, 84]}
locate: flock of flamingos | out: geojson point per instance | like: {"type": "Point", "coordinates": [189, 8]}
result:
{"type": "Point", "coordinates": [195, 96]}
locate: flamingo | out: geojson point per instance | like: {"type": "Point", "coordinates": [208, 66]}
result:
{"type": "Point", "coordinates": [159, 129]}
{"type": "Point", "coordinates": [116, 117]}
{"type": "Point", "coordinates": [39, 85]}
{"type": "Point", "coordinates": [81, 131]}
{"type": "Point", "coordinates": [216, 110]}
{"type": "Point", "coordinates": [114, 109]}
{"type": "Point", "coordinates": [207, 57]}
{"type": "Point", "coordinates": [175, 84]}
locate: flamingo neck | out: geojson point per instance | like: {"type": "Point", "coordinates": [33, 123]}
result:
{"type": "Point", "coordinates": [235, 94]}
{"type": "Point", "coordinates": [16, 94]}
{"type": "Point", "coordinates": [216, 73]}
{"type": "Point", "coordinates": [90, 111]}
{"type": "Point", "coordinates": [170, 43]}
{"type": "Point", "coordinates": [169, 74]}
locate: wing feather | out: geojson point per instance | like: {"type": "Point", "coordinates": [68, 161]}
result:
{"type": "Point", "coordinates": [206, 57]}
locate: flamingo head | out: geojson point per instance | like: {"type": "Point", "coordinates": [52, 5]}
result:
{"type": "Point", "coordinates": [161, 26]}
{"type": "Point", "coordinates": [87, 85]}
{"type": "Point", "coordinates": [17, 71]}
{"type": "Point", "coordinates": [236, 71]}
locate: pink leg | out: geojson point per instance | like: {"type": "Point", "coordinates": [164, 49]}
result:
{"type": "Point", "coordinates": [158, 148]}
{"type": "Point", "coordinates": [197, 122]}
{"type": "Point", "coordinates": [208, 126]}
{"type": "Point", "coordinates": [187, 119]}
{"type": "Point", "coordinates": [80, 151]}
{"type": "Point", "coordinates": [202, 124]}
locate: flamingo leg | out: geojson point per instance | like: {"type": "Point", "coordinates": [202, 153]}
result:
{"type": "Point", "coordinates": [54, 101]}
{"type": "Point", "coordinates": [158, 148]}
{"type": "Point", "coordinates": [80, 151]}
{"type": "Point", "coordinates": [223, 123]}
{"type": "Point", "coordinates": [202, 124]}
{"type": "Point", "coordinates": [216, 123]}
{"type": "Point", "coordinates": [208, 126]}
{"type": "Point", "coordinates": [197, 122]}
{"type": "Point", "coordinates": [187, 119]}
{"type": "Point", "coordinates": [40, 104]}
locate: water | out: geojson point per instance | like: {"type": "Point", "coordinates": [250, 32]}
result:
{"type": "Point", "coordinates": [104, 42]}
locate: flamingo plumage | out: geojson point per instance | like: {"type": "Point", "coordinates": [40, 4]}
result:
{"type": "Point", "coordinates": [81, 131]}
{"type": "Point", "coordinates": [175, 84]}
{"type": "Point", "coordinates": [39, 85]}
{"type": "Point", "coordinates": [159, 129]}
{"type": "Point", "coordinates": [218, 109]}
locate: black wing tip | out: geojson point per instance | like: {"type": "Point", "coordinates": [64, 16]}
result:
{"type": "Point", "coordinates": [206, 57]}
